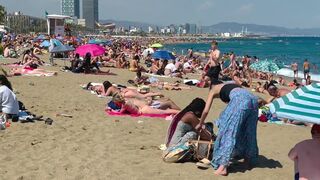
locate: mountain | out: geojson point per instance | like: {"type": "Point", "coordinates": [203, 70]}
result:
{"type": "Point", "coordinates": [126, 24]}
{"type": "Point", "coordinates": [233, 27]}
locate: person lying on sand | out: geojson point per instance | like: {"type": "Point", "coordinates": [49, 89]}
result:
{"type": "Point", "coordinates": [30, 69]}
{"type": "Point", "coordinates": [306, 156]}
{"type": "Point", "coordinates": [276, 92]}
{"type": "Point", "coordinates": [136, 106]}
{"type": "Point", "coordinates": [107, 89]}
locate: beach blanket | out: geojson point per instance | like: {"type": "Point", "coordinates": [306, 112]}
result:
{"type": "Point", "coordinates": [156, 75]}
{"type": "Point", "coordinates": [38, 74]}
{"type": "Point", "coordinates": [111, 112]}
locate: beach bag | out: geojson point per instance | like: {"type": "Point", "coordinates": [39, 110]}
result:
{"type": "Point", "coordinates": [178, 153]}
{"type": "Point", "coordinates": [202, 149]}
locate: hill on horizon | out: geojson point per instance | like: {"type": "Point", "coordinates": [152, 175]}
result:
{"type": "Point", "coordinates": [231, 27]}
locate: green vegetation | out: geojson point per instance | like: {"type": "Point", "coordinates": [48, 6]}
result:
{"type": "Point", "coordinates": [2, 14]}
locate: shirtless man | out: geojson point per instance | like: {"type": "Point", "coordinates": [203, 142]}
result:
{"type": "Point", "coordinates": [306, 68]}
{"type": "Point", "coordinates": [213, 61]}
{"type": "Point", "coordinates": [294, 67]}
{"type": "Point", "coordinates": [306, 156]}
{"type": "Point", "coordinates": [276, 92]}
{"type": "Point", "coordinates": [214, 55]}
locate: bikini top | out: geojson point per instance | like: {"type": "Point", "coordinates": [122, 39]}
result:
{"type": "Point", "coordinates": [225, 91]}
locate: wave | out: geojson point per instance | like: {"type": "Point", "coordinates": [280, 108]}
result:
{"type": "Point", "coordinates": [289, 73]}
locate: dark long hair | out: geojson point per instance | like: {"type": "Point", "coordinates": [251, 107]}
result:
{"type": "Point", "coordinates": [4, 81]}
{"type": "Point", "coordinates": [196, 106]}
{"type": "Point", "coordinates": [106, 85]}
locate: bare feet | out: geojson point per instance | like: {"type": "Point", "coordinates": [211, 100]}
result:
{"type": "Point", "coordinates": [222, 171]}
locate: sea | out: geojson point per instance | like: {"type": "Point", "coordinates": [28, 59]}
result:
{"type": "Point", "coordinates": [284, 49]}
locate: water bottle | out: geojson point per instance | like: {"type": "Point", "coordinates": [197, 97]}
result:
{"type": "Point", "coordinates": [3, 121]}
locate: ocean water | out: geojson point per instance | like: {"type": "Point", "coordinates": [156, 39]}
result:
{"type": "Point", "coordinates": [284, 49]}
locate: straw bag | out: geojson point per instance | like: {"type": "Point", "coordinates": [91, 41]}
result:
{"type": "Point", "coordinates": [202, 149]}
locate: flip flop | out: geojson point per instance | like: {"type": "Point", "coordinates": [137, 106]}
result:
{"type": "Point", "coordinates": [204, 164]}
{"type": "Point", "coordinates": [48, 121]}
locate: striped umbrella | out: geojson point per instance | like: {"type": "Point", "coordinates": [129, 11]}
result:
{"type": "Point", "coordinates": [301, 105]}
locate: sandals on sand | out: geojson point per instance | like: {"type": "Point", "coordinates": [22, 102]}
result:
{"type": "Point", "coordinates": [204, 164]}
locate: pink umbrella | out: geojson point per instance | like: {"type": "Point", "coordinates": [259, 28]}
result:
{"type": "Point", "coordinates": [93, 49]}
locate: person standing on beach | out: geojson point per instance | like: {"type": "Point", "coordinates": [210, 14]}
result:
{"type": "Point", "coordinates": [294, 67]}
{"type": "Point", "coordinates": [306, 68]}
{"type": "Point", "coordinates": [306, 156]}
{"type": "Point", "coordinates": [213, 64]}
{"type": "Point", "coordinates": [237, 135]}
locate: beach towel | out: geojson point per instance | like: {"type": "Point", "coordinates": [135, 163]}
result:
{"type": "Point", "coordinates": [38, 74]}
{"type": "Point", "coordinates": [111, 112]}
{"type": "Point", "coordinates": [156, 75]}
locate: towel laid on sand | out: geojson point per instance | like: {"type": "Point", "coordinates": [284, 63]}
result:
{"type": "Point", "coordinates": [117, 113]}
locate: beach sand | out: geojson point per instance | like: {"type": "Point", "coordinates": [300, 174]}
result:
{"type": "Point", "coordinates": [92, 145]}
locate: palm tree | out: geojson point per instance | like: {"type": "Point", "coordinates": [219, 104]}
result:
{"type": "Point", "coordinates": [2, 14]}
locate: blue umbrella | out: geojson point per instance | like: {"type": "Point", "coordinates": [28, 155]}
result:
{"type": "Point", "coordinates": [100, 41]}
{"type": "Point", "coordinates": [163, 54]}
{"type": "Point", "coordinates": [45, 43]}
{"type": "Point", "coordinates": [41, 37]}
{"type": "Point", "coordinates": [61, 48]}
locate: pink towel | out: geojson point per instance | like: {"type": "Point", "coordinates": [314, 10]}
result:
{"type": "Point", "coordinates": [116, 113]}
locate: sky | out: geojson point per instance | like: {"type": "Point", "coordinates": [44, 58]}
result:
{"type": "Point", "coordinates": [285, 13]}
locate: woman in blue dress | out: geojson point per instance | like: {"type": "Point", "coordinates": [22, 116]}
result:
{"type": "Point", "coordinates": [237, 134]}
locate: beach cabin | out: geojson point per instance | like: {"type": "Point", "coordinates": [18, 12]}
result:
{"type": "Point", "coordinates": [56, 24]}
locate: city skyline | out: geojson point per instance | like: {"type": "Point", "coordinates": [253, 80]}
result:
{"type": "Point", "coordinates": [90, 12]}
{"type": "Point", "coordinates": [205, 12]}
{"type": "Point", "coordinates": [70, 8]}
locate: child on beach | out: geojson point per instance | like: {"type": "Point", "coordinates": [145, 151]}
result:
{"type": "Point", "coordinates": [306, 156]}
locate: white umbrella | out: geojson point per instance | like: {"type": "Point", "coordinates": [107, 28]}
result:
{"type": "Point", "coordinates": [147, 51]}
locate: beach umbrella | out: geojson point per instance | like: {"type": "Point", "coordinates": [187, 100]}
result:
{"type": "Point", "coordinates": [147, 51]}
{"type": "Point", "coordinates": [302, 104]}
{"type": "Point", "coordinates": [99, 41]}
{"type": "Point", "coordinates": [163, 54]}
{"type": "Point", "coordinates": [41, 37]}
{"type": "Point", "coordinates": [61, 49]}
{"type": "Point", "coordinates": [45, 43]}
{"type": "Point", "coordinates": [156, 45]}
{"type": "Point", "coordinates": [93, 49]}
{"type": "Point", "coordinates": [266, 66]}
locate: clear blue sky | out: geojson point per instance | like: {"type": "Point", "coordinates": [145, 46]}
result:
{"type": "Point", "coordinates": [287, 13]}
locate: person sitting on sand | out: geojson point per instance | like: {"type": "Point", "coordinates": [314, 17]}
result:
{"type": "Point", "coordinates": [155, 66]}
{"type": "Point", "coordinates": [171, 70]}
{"type": "Point", "coordinates": [107, 89]}
{"type": "Point", "coordinates": [281, 81]}
{"type": "Point", "coordinates": [182, 130]}
{"type": "Point", "coordinates": [162, 65]}
{"type": "Point", "coordinates": [134, 64]}
{"type": "Point", "coordinates": [8, 102]}
{"type": "Point", "coordinates": [306, 156]}
{"type": "Point", "coordinates": [136, 106]}
{"type": "Point", "coordinates": [308, 81]}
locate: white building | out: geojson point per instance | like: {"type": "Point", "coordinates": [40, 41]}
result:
{"type": "Point", "coordinates": [82, 22]}
{"type": "Point", "coordinates": [150, 29]}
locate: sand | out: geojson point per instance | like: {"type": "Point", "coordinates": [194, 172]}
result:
{"type": "Point", "coordinates": [92, 145]}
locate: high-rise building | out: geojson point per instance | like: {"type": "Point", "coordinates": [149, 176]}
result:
{"type": "Point", "coordinates": [70, 8]}
{"type": "Point", "coordinates": [90, 12]}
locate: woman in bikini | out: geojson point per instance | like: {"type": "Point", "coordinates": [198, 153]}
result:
{"type": "Point", "coordinates": [137, 106]}
{"type": "Point", "coordinates": [107, 89]}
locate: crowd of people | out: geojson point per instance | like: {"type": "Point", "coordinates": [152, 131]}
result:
{"type": "Point", "coordinates": [237, 125]}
